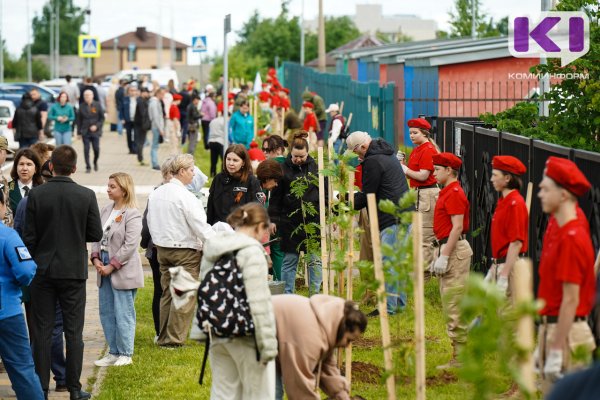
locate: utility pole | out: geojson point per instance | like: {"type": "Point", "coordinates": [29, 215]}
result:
{"type": "Point", "coordinates": [159, 42]}
{"type": "Point", "coordinates": [89, 60]}
{"type": "Point", "coordinates": [544, 79]}
{"type": "Point", "coordinates": [51, 35]}
{"type": "Point", "coordinates": [1, 42]}
{"type": "Point", "coordinates": [302, 35]}
{"type": "Point", "coordinates": [226, 30]}
{"type": "Point", "coordinates": [473, 17]}
{"type": "Point", "coordinates": [321, 38]}
{"type": "Point", "coordinates": [172, 41]}
{"type": "Point", "coordinates": [57, 39]}
{"type": "Point", "coordinates": [116, 52]}
{"type": "Point", "coordinates": [29, 74]}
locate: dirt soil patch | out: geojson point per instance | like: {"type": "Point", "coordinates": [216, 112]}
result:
{"type": "Point", "coordinates": [365, 373]}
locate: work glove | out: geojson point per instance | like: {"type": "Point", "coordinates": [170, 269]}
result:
{"type": "Point", "coordinates": [536, 359]}
{"type": "Point", "coordinates": [440, 266]}
{"type": "Point", "coordinates": [553, 366]}
{"type": "Point", "coordinates": [502, 283]}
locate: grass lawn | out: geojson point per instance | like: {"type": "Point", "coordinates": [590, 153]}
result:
{"type": "Point", "coordinates": [173, 374]}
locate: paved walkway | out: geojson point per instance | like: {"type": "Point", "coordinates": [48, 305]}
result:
{"type": "Point", "coordinates": [114, 157]}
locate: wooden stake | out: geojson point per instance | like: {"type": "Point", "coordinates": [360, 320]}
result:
{"type": "Point", "coordinates": [522, 288]}
{"type": "Point", "coordinates": [322, 222]}
{"type": "Point", "coordinates": [342, 107]}
{"type": "Point", "coordinates": [282, 122]}
{"type": "Point", "coordinates": [381, 297]}
{"type": "Point", "coordinates": [350, 264]}
{"type": "Point", "coordinates": [419, 289]}
{"type": "Point", "coordinates": [529, 196]}
{"type": "Point", "coordinates": [331, 233]}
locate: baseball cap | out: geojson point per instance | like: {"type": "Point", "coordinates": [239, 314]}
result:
{"type": "Point", "coordinates": [4, 145]}
{"type": "Point", "coordinates": [333, 107]}
{"type": "Point", "coordinates": [356, 138]}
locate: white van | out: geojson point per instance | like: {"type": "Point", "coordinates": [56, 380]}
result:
{"type": "Point", "coordinates": [162, 76]}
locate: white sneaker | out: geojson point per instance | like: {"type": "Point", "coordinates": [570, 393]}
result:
{"type": "Point", "coordinates": [107, 361]}
{"type": "Point", "coordinates": [123, 360]}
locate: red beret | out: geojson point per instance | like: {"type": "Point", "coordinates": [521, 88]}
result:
{"type": "Point", "coordinates": [231, 96]}
{"type": "Point", "coordinates": [566, 173]}
{"type": "Point", "coordinates": [264, 96]}
{"type": "Point", "coordinates": [177, 96]}
{"type": "Point", "coordinates": [220, 107]}
{"type": "Point", "coordinates": [308, 104]}
{"type": "Point", "coordinates": [420, 123]}
{"type": "Point", "coordinates": [447, 160]}
{"type": "Point", "coordinates": [509, 164]}
{"type": "Point", "coordinates": [286, 90]}
{"type": "Point", "coordinates": [271, 72]}
{"type": "Point", "coordinates": [253, 144]}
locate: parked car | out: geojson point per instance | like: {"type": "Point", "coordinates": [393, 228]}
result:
{"type": "Point", "coordinates": [14, 92]}
{"type": "Point", "coordinates": [57, 84]}
{"type": "Point", "coordinates": [7, 113]}
{"type": "Point", "coordinates": [162, 76]}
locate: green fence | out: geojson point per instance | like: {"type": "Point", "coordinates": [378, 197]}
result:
{"type": "Point", "coordinates": [371, 105]}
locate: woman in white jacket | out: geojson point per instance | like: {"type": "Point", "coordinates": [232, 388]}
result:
{"type": "Point", "coordinates": [236, 372]}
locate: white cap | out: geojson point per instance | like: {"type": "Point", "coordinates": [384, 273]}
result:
{"type": "Point", "coordinates": [210, 88]}
{"type": "Point", "coordinates": [333, 107]}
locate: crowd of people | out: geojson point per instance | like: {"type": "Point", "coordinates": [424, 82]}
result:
{"type": "Point", "coordinates": [250, 226]}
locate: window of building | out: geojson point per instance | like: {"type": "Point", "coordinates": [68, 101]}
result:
{"type": "Point", "coordinates": [179, 55]}
{"type": "Point", "coordinates": [131, 55]}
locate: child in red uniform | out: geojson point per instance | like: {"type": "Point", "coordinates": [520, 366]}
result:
{"type": "Point", "coordinates": [419, 172]}
{"type": "Point", "coordinates": [567, 279]}
{"type": "Point", "coordinates": [453, 252]}
{"type": "Point", "coordinates": [174, 124]}
{"type": "Point", "coordinates": [310, 124]}
{"type": "Point", "coordinates": [510, 223]}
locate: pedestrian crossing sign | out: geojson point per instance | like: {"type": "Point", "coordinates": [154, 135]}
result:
{"type": "Point", "coordinates": [199, 44]}
{"type": "Point", "coordinates": [89, 46]}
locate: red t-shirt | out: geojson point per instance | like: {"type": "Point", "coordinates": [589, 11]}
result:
{"type": "Point", "coordinates": [275, 101]}
{"type": "Point", "coordinates": [422, 158]}
{"type": "Point", "coordinates": [452, 201]}
{"type": "Point", "coordinates": [358, 176]}
{"type": "Point", "coordinates": [567, 256]}
{"type": "Point", "coordinates": [285, 103]}
{"type": "Point", "coordinates": [509, 224]}
{"type": "Point", "coordinates": [310, 121]}
{"type": "Point", "coordinates": [174, 112]}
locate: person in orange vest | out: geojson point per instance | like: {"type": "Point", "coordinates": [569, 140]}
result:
{"type": "Point", "coordinates": [452, 257]}
{"type": "Point", "coordinates": [419, 172]}
{"type": "Point", "coordinates": [567, 278]}
{"type": "Point", "coordinates": [510, 222]}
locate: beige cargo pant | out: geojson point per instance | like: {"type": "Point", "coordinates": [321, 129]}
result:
{"type": "Point", "coordinates": [426, 206]}
{"type": "Point", "coordinates": [175, 323]}
{"type": "Point", "coordinates": [580, 337]}
{"type": "Point", "coordinates": [452, 287]}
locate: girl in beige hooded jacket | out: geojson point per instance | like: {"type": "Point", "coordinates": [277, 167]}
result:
{"type": "Point", "coordinates": [236, 372]}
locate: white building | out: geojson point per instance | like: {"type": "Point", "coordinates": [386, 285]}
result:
{"type": "Point", "coordinates": [369, 19]}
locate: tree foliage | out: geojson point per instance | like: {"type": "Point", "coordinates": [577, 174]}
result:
{"type": "Point", "coordinates": [71, 20]}
{"type": "Point", "coordinates": [461, 22]}
{"type": "Point", "coordinates": [263, 39]}
{"type": "Point", "coordinates": [574, 102]}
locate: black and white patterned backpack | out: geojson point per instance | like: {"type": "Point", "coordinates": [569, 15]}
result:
{"type": "Point", "coordinates": [223, 308]}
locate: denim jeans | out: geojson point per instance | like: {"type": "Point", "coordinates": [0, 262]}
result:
{"type": "Point", "coordinates": [119, 126]}
{"type": "Point", "coordinates": [337, 145]}
{"type": "Point", "coordinates": [154, 149]}
{"type": "Point", "coordinates": [63, 137]}
{"type": "Point", "coordinates": [25, 143]}
{"type": "Point", "coordinates": [396, 298]}
{"type": "Point", "coordinates": [117, 315]}
{"type": "Point", "coordinates": [290, 266]}
{"type": "Point", "coordinates": [17, 359]}
{"type": "Point", "coordinates": [58, 363]}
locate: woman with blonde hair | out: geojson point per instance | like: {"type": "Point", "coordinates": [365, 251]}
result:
{"type": "Point", "coordinates": [119, 268]}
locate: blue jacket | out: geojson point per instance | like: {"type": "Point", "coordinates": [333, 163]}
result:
{"type": "Point", "coordinates": [123, 109]}
{"type": "Point", "coordinates": [241, 129]}
{"type": "Point", "coordinates": [17, 269]}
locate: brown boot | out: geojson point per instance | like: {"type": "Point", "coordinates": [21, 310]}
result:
{"type": "Point", "coordinates": [453, 363]}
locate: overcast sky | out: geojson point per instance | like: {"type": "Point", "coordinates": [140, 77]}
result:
{"type": "Point", "coordinates": [111, 18]}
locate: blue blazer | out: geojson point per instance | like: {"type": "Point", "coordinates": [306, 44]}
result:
{"type": "Point", "coordinates": [124, 110]}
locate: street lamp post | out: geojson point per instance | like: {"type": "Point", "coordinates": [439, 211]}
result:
{"type": "Point", "coordinates": [89, 60]}
{"type": "Point", "coordinates": [302, 35]}
{"type": "Point", "coordinates": [1, 44]}
{"type": "Point", "coordinates": [29, 74]}
{"type": "Point", "coordinates": [226, 30]}
{"type": "Point", "coordinates": [57, 39]}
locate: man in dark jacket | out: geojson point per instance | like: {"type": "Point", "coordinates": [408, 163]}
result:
{"type": "Point", "coordinates": [285, 212]}
{"type": "Point", "coordinates": [27, 122]}
{"type": "Point", "coordinates": [90, 120]}
{"type": "Point", "coordinates": [126, 108]}
{"type": "Point", "coordinates": [62, 206]}
{"type": "Point", "coordinates": [141, 124]}
{"type": "Point", "coordinates": [381, 174]}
